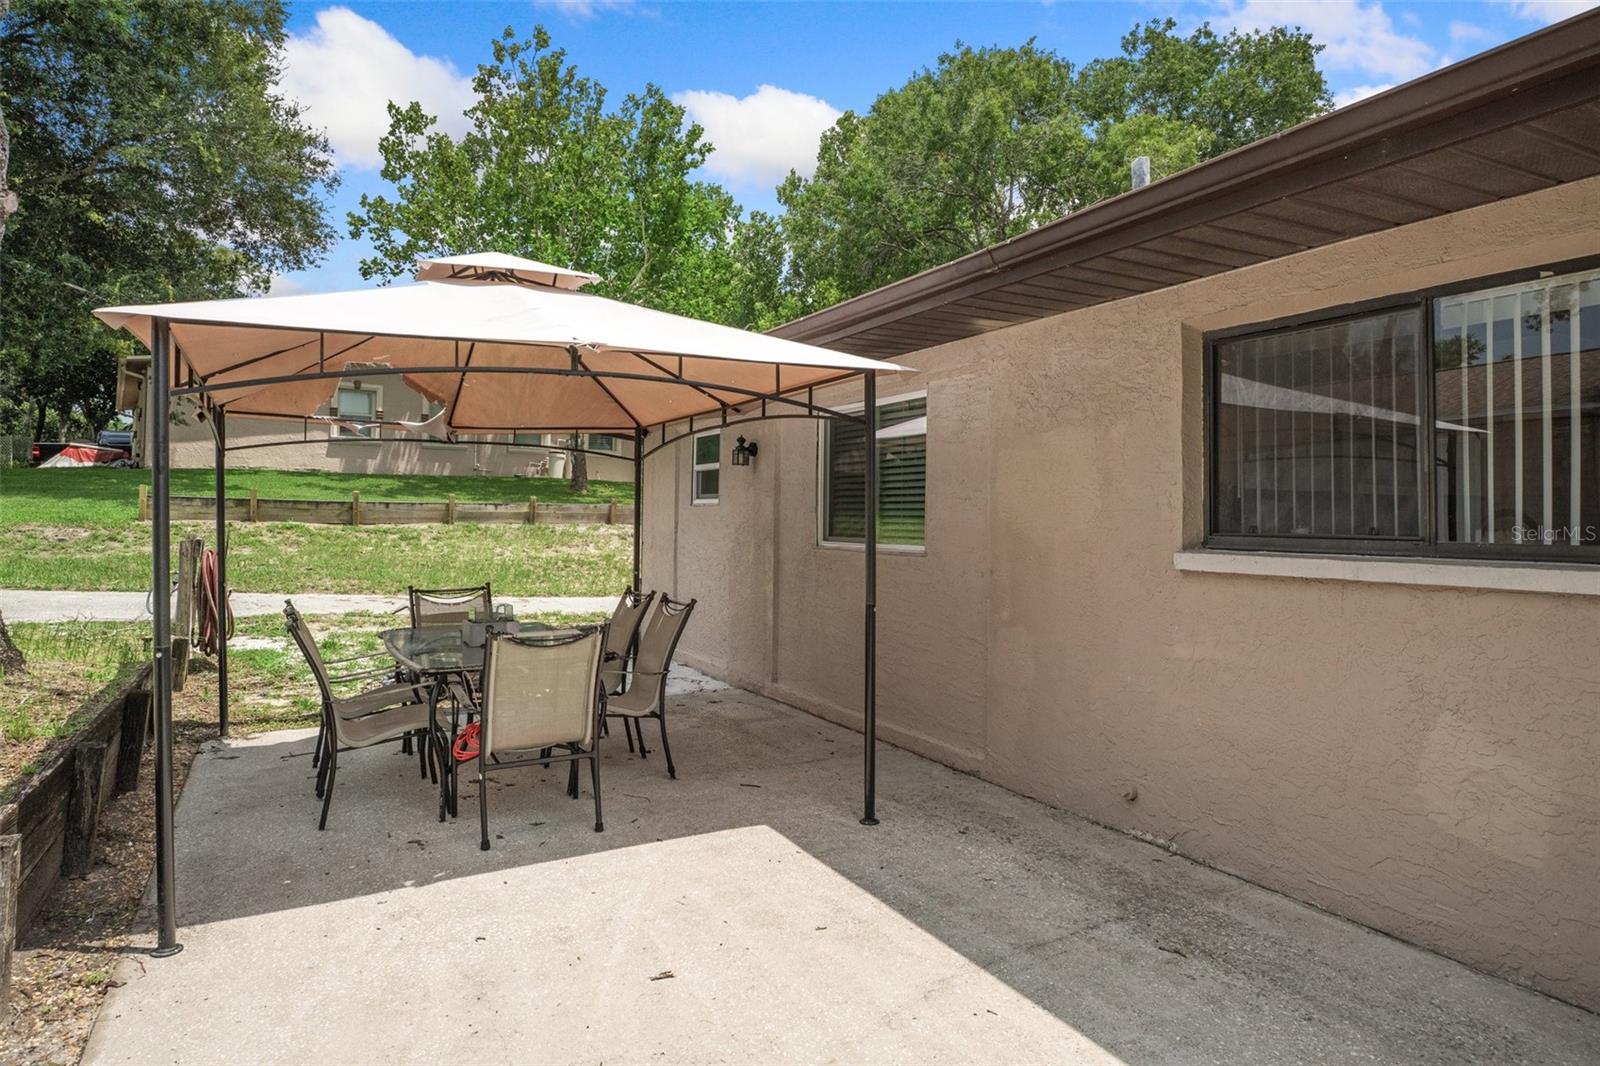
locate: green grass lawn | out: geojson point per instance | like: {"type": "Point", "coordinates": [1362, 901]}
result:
{"type": "Point", "coordinates": [290, 557]}
{"type": "Point", "coordinates": [78, 529]}
{"type": "Point", "coordinates": [102, 496]}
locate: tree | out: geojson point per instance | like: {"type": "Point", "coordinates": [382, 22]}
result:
{"type": "Point", "coordinates": [153, 160]}
{"type": "Point", "coordinates": [984, 146]}
{"type": "Point", "coordinates": [1229, 90]}
{"type": "Point", "coordinates": [8, 199]}
{"type": "Point", "coordinates": [579, 480]}
{"type": "Point", "coordinates": [993, 142]}
{"type": "Point", "coordinates": [11, 660]}
{"type": "Point", "coordinates": [546, 171]}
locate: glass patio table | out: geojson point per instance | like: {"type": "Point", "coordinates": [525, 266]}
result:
{"type": "Point", "coordinates": [442, 649]}
{"type": "Point", "coordinates": [434, 650]}
{"type": "Point", "coordinates": [441, 654]}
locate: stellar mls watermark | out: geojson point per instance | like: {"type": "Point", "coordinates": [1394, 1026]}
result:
{"type": "Point", "coordinates": [1555, 534]}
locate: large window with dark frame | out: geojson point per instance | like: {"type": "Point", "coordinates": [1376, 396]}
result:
{"type": "Point", "coordinates": [1318, 438]}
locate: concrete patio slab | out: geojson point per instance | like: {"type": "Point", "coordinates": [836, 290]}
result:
{"type": "Point", "coordinates": [741, 914]}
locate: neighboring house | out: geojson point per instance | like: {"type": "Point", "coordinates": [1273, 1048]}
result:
{"type": "Point", "coordinates": [1255, 512]}
{"type": "Point", "coordinates": [351, 447]}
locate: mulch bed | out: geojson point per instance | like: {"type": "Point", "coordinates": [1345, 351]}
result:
{"type": "Point", "coordinates": [63, 968]}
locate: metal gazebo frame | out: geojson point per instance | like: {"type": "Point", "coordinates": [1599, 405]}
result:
{"type": "Point", "coordinates": [756, 406]}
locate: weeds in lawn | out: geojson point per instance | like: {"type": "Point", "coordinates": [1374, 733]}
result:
{"type": "Point", "coordinates": [105, 645]}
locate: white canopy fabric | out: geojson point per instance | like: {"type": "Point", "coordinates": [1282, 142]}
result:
{"type": "Point", "coordinates": [284, 355]}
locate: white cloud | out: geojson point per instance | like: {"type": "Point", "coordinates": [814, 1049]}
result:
{"type": "Point", "coordinates": [1470, 33]}
{"type": "Point", "coordinates": [1358, 92]}
{"type": "Point", "coordinates": [1550, 10]}
{"type": "Point", "coordinates": [585, 9]}
{"type": "Point", "coordinates": [1356, 36]}
{"type": "Point", "coordinates": [347, 68]}
{"type": "Point", "coordinates": [760, 137]}
{"type": "Point", "coordinates": [284, 285]}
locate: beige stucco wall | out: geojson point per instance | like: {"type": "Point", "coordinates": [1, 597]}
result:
{"type": "Point", "coordinates": [314, 448]}
{"type": "Point", "coordinates": [1421, 760]}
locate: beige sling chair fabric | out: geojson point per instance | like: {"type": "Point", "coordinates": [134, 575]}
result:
{"type": "Point", "coordinates": [445, 606]}
{"type": "Point", "coordinates": [541, 692]}
{"type": "Point", "coordinates": [541, 696]}
{"type": "Point", "coordinates": [630, 611]}
{"type": "Point", "coordinates": [377, 716]}
{"type": "Point", "coordinates": [646, 694]}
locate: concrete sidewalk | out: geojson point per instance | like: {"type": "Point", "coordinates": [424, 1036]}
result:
{"type": "Point", "coordinates": [740, 913]}
{"type": "Point", "coordinates": [31, 605]}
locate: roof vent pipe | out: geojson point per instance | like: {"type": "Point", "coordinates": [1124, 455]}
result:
{"type": "Point", "coordinates": [1141, 171]}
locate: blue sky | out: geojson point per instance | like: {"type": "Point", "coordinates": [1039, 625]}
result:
{"type": "Point", "coordinates": [766, 78]}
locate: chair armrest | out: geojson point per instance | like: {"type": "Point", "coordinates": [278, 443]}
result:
{"type": "Point", "coordinates": [357, 658]}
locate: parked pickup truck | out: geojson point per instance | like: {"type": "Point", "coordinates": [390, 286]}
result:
{"type": "Point", "coordinates": [76, 453]}
{"type": "Point", "coordinates": [46, 449]}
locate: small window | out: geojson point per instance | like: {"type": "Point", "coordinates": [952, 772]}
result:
{"type": "Point", "coordinates": [707, 467]}
{"type": "Point", "coordinates": [902, 475]}
{"type": "Point", "coordinates": [356, 404]}
{"type": "Point", "coordinates": [600, 442]}
{"type": "Point", "coordinates": [527, 440]}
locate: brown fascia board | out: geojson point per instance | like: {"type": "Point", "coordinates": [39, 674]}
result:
{"type": "Point", "coordinates": [1554, 67]}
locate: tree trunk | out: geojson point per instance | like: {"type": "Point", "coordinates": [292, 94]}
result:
{"type": "Point", "coordinates": [38, 420]}
{"type": "Point", "coordinates": [10, 658]}
{"type": "Point", "coordinates": [579, 481]}
{"type": "Point", "coordinates": [8, 199]}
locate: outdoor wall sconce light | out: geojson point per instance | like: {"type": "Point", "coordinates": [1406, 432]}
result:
{"type": "Point", "coordinates": [744, 452]}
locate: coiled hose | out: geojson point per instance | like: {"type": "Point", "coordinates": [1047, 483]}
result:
{"type": "Point", "coordinates": [206, 597]}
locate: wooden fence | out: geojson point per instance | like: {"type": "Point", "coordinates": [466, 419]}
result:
{"type": "Point", "coordinates": [358, 512]}
{"type": "Point", "coordinates": [56, 811]}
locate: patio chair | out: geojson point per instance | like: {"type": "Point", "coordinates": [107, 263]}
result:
{"type": "Point", "coordinates": [377, 716]}
{"type": "Point", "coordinates": [646, 694]}
{"type": "Point", "coordinates": [444, 606]}
{"type": "Point", "coordinates": [541, 694]}
{"type": "Point", "coordinates": [391, 671]}
{"type": "Point", "coordinates": [626, 617]}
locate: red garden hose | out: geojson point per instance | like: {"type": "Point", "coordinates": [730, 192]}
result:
{"type": "Point", "coordinates": [466, 744]}
{"type": "Point", "coordinates": [206, 597]}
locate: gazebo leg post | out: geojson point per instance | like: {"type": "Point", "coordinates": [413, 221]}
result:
{"type": "Point", "coordinates": [869, 639]}
{"type": "Point", "coordinates": [219, 423]}
{"type": "Point", "coordinates": [638, 510]}
{"type": "Point", "coordinates": [157, 406]}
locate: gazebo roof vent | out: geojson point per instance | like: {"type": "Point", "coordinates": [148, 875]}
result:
{"type": "Point", "coordinates": [502, 268]}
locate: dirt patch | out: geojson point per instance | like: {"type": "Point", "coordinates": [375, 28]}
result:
{"type": "Point", "coordinates": [59, 535]}
{"type": "Point", "coordinates": [62, 969]}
